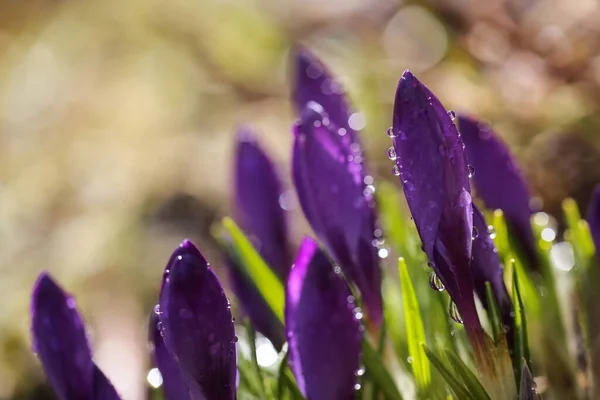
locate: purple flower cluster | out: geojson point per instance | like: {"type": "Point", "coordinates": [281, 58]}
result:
{"type": "Point", "coordinates": [192, 329]}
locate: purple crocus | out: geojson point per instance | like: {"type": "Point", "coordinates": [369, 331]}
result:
{"type": "Point", "coordinates": [322, 326]}
{"type": "Point", "coordinates": [499, 181]}
{"type": "Point", "coordinates": [60, 341]}
{"type": "Point", "coordinates": [257, 191]}
{"type": "Point", "coordinates": [431, 163]}
{"type": "Point", "coordinates": [197, 326]}
{"type": "Point", "coordinates": [593, 219]}
{"type": "Point", "coordinates": [334, 191]}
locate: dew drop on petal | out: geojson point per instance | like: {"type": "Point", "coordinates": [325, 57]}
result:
{"type": "Point", "coordinates": [357, 386]}
{"type": "Point", "coordinates": [475, 234]}
{"type": "Point", "coordinates": [390, 132]}
{"type": "Point", "coordinates": [157, 309]}
{"type": "Point", "coordinates": [436, 283]}
{"type": "Point", "coordinates": [471, 170]}
{"type": "Point", "coordinates": [452, 115]}
{"type": "Point", "coordinates": [396, 170]}
{"type": "Point", "coordinates": [429, 263]}
{"type": "Point", "coordinates": [391, 153]}
{"type": "Point", "coordinates": [454, 314]}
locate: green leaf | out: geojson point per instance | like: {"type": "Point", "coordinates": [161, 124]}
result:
{"type": "Point", "coordinates": [395, 223]}
{"type": "Point", "coordinates": [378, 373]}
{"type": "Point", "coordinates": [578, 234]}
{"type": "Point", "coordinates": [457, 386]}
{"type": "Point", "coordinates": [257, 370]}
{"type": "Point", "coordinates": [415, 332]}
{"type": "Point", "coordinates": [493, 313]}
{"type": "Point", "coordinates": [521, 341]}
{"type": "Point", "coordinates": [265, 280]}
{"type": "Point", "coordinates": [468, 378]}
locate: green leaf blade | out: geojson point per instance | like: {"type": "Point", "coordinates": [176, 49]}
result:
{"type": "Point", "coordinates": [415, 332]}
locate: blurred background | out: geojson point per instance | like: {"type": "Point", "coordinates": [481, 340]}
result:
{"type": "Point", "coordinates": [117, 123]}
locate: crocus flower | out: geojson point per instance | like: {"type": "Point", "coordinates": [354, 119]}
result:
{"type": "Point", "coordinates": [60, 341]}
{"type": "Point", "coordinates": [431, 163]}
{"type": "Point", "coordinates": [593, 219]}
{"type": "Point", "coordinates": [335, 193]}
{"type": "Point", "coordinates": [498, 180]}
{"type": "Point", "coordinates": [322, 326]}
{"type": "Point", "coordinates": [197, 325]}
{"type": "Point", "coordinates": [257, 209]}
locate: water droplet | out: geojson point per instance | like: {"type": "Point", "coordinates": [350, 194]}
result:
{"type": "Point", "coordinates": [358, 314]}
{"type": "Point", "coordinates": [368, 180]}
{"type": "Point", "coordinates": [452, 115]}
{"type": "Point", "coordinates": [436, 283]}
{"type": "Point", "coordinates": [383, 253]}
{"type": "Point", "coordinates": [360, 371]}
{"type": "Point", "coordinates": [396, 170]}
{"type": "Point", "coordinates": [71, 303]}
{"type": "Point", "coordinates": [475, 234]}
{"type": "Point", "coordinates": [314, 71]}
{"type": "Point", "coordinates": [378, 233]}
{"type": "Point", "coordinates": [429, 263]}
{"type": "Point", "coordinates": [391, 153]}
{"type": "Point", "coordinates": [350, 299]}
{"type": "Point", "coordinates": [337, 269]}
{"type": "Point", "coordinates": [471, 170]}
{"type": "Point", "coordinates": [409, 359]}
{"type": "Point", "coordinates": [369, 190]}
{"type": "Point", "coordinates": [154, 378]}
{"type": "Point", "coordinates": [357, 121]}
{"type": "Point", "coordinates": [390, 132]}
{"type": "Point", "coordinates": [357, 386]}
{"type": "Point", "coordinates": [235, 339]}
{"type": "Point", "coordinates": [454, 314]}
{"type": "Point", "coordinates": [157, 309]}
{"type": "Point", "coordinates": [342, 131]}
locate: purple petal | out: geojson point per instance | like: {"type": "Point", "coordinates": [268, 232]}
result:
{"type": "Point", "coordinates": [174, 386]}
{"type": "Point", "coordinates": [60, 341]}
{"type": "Point", "coordinates": [498, 180]}
{"type": "Point", "coordinates": [324, 333]}
{"type": "Point", "coordinates": [103, 389]}
{"type": "Point", "coordinates": [257, 208]}
{"type": "Point", "coordinates": [329, 179]}
{"type": "Point", "coordinates": [197, 325]}
{"type": "Point", "coordinates": [485, 267]}
{"type": "Point", "coordinates": [593, 219]}
{"type": "Point", "coordinates": [255, 307]}
{"type": "Point", "coordinates": [433, 170]}
{"type": "Point", "coordinates": [314, 83]}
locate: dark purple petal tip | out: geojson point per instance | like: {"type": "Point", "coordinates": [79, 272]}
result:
{"type": "Point", "coordinates": [315, 83]}
{"type": "Point", "coordinates": [322, 326]}
{"type": "Point", "coordinates": [60, 341]}
{"type": "Point", "coordinates": [498, 179]}
{"type": "Point", "coordinates": [337, 201]}
{"type": "Point", "coordinates": [197, 325]}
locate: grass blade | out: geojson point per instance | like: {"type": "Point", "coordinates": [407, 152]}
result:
{"type": "Point", "coordinates": [458, 387]}
{"type": "Point", "coordinates": [265, 280]}
{"type": "Point", "coordinates": [415, 332]}
{"type": "Point", "coordinates": [493, 313]}
{"type": "Point", "coordinates": [378, 373]}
